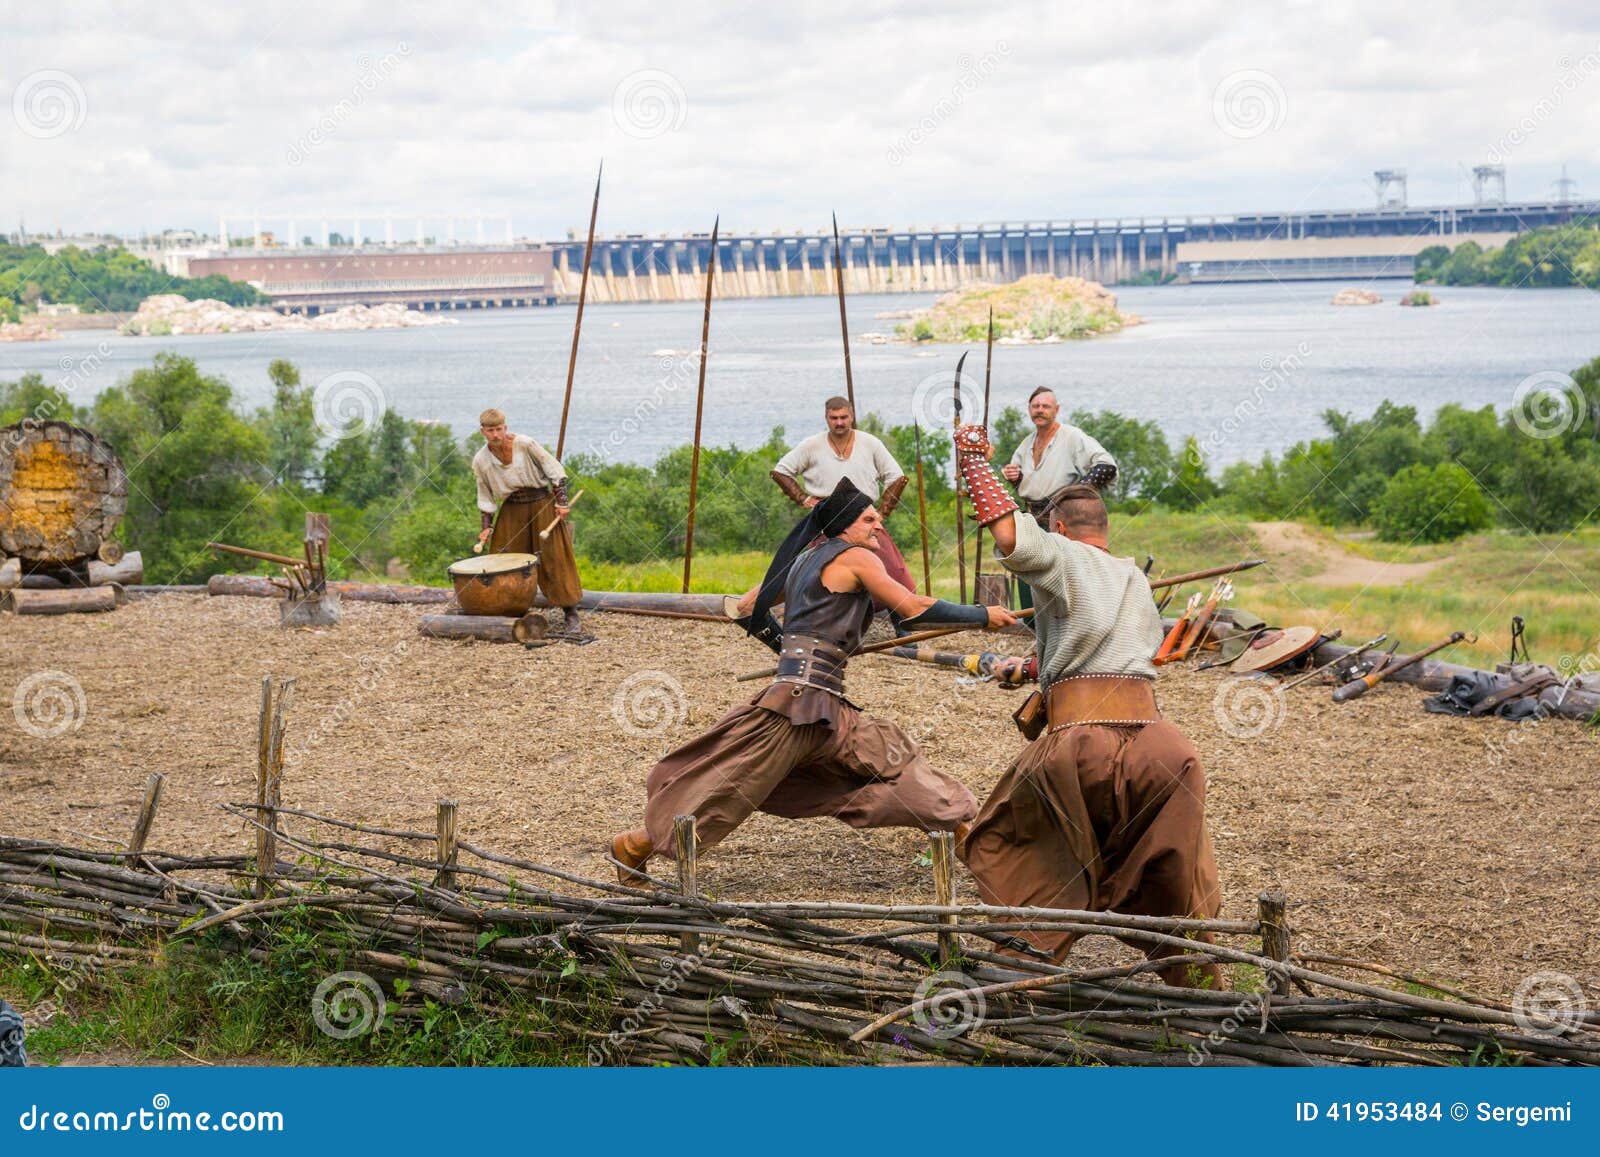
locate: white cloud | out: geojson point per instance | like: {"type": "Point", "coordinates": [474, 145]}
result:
{"type": "Point", "coordinates": [1093, 109]}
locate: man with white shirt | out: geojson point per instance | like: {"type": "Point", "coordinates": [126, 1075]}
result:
{"type": "Point", "coordinates": [521, 490]}
{"type": "Point", "coordinates": [812, 470]}
{"type": "Point", "coordinates": [1054, 456]}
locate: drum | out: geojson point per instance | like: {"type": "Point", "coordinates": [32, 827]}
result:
{"type": "Point", "coordinates": [496, 584]}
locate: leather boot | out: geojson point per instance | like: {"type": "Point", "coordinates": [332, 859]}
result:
{"type": "Point", "coordinates": [632, 850]}
{"type": "Point", "coordinates": [570, 625]}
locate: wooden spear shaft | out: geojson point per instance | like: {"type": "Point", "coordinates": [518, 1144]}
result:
{"type": "Point", "coordinates": [961, 526]}
{"type": "Point", "coordinates": [844, 324]}
{"type": "Point", "coordinates": [577, 325]}
{"type": "Point", "coordinates": [889, 644]}
{"type": "Point", "coordinates": [922, 513]}
{"type": "Point", "coordinates": [699, 411]}
{"type": "Point", "coordinates": [988, 365]}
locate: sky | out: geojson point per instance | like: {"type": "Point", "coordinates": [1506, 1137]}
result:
{"type": "Point", "coordinates": [125, 118]}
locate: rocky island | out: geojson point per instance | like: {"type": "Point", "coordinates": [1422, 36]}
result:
{"type": "Point", "coordinates": [1039, 309]}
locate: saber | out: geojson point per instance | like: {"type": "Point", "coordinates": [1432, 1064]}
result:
{"type": "Point", "coordinates": [961, 529]}
{"type": "Point", "coordinates": [844, 325]}
{"type": "Point", "coordinates": [887, 645]}
{"type": "Point", "coordinates": [699, 410]}
{"type": "Point", "coordinates": [922, 513]}
{"type": "Point", "coordinates": [988, 364]}
{"type": "Point", "coordinates": [1315, 671]}
{"type": "Point", "coordinates": [577, 325]}
{"type": "Point", "coordinates": [980, 665]}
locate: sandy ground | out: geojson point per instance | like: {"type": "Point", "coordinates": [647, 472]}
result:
{"type": "Point", "coordinates": [1289, 540]}
{"type": "Point", "coordinates": [1458, 849]}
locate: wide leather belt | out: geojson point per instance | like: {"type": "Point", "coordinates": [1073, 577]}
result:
{"type": "Point", "coordinates": [1125, 700]}
{"type": "Point", "coordinates": [1037, 509]}
{"type": "Point", "coordinates": [528, 494]}
{"type": "Point", "coordinates": [812, 662]}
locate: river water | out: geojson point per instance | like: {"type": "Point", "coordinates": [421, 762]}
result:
{"type": "Point", "coordinates": [1246, 368]}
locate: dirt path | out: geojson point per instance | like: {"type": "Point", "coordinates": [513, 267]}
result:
{"type": "Point", "coordinates": [1287, 540]}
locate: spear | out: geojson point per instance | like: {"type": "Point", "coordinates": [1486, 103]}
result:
{"type": "Point", "coordinates": [699, 409]}
{"type": "Point", "coordinates": [577, 325]}
{"type": "Point", "coordinates": [961, 530]}
{"type": "Point", "coordinates": [844, 325]}
{"type": "Point", "coordinates": [988, 364]}
{"type": "Point", "coordinates": [922, 513]}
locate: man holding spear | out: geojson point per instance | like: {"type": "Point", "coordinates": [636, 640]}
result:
{"type": "Point", "coordinates": [522, 489]}
{"type": "Point", "coordinates": [800, 748]}
{"type": "Point", "coordinates": [1105, 807]}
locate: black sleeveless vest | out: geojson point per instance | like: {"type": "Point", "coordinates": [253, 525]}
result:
{"type": "Point", "coordinates": [821, 628]}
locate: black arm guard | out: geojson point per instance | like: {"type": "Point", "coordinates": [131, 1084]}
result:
{"type": "Point", "coordinates": [1101, 474]}
{"type": "Point", "coordinates": [944, 613]}
{"type": "Point", "coordinates": [769, 633]}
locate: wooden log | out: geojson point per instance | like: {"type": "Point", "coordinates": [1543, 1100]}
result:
{"type": "Point", "coordinates": [530, 628]}
{"type": "Point", "coordinates": [147, 815]}
{"type": "Point", "coordinates": [257, 586]}
{"type": "Point", "coordinates": [62, 602]}
{"type": "Point", "coordinates": [685, 846]}
{"type": "Point", "coordinates": [110, 552]}
{"type": "Point", "coordinates": [943, 846]}
{"type": "Point", "coordinates": [128, 569]}
{"type": "Point", "coordinates": [10, 573]}
{"type": "Point", "coordinates": [483, 628]}
{"type": "Point", "coordinates": [446, 849]}
{"type": "Point", "coordinates": [1275, 940]}
{"type": "Point", "coordinates": [271, 726]}
{"type": "Point", "coordinates": [148, 590]}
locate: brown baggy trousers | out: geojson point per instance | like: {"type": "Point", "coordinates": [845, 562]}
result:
{"type": "Point", "coordinates": [1099, 818]}
{"type": "Point", "coordinates": [861, 770]}
{"type": "Point", "coordinates": [516, 531]}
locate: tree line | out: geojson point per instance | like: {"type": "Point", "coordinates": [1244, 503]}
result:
{"type": "Point", "coordinates": [105, 278]}
{"type": "Point", "coordinates": [1550, 256]}
{"type": "Point", "coordinates": [203, 468]}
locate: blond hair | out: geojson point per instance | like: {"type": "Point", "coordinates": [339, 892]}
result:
{"type": "Point", "coordinates": [491, 417]}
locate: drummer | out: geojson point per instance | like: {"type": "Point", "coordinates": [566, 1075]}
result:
{"type": "Point", "coordinates": [521, 490]}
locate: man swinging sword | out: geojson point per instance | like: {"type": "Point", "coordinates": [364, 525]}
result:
{"type": "Point", "coordinates": [800, 748]}
{"type": "Point", "coordinates": [809, 473]}
{"type": "Point", "coordinates": [1104, 809]}
{"type": "Point", "coordinates": [521, 490]}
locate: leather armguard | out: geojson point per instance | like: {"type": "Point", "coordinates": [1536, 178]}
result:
{"type": "Point", "coordinates": [790, 487]}
{"type": "Point", "coordinates": [769, 633]}
{"type": "Point", "coordinates": [1101, 474]}
{"type": "Point", "coordinates": [891, 496]}
{"type": "Point", "coordinates": [488, 520]}
{"type": "Point", "coordinates": [560, 492]}
{"type": "Point", "coordinates": [954, 614]}
{"type": "Point", "coordinates": [990, 501]}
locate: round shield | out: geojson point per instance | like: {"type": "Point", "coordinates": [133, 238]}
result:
{"type": "Point", "coordinates": [1272, 648]}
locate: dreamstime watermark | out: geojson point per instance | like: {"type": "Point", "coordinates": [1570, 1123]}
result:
{"type": "Point", "coordinates": [649, 703]}
{"type": "Point", "coordinates": [972, 73]}
{"type": "Point", "coordinates": [375, 672]}
{"type": "Point", "coordinates": [678, 970]}
{"type": "Point", "coordinates": [1548, 404]}
{"type": "Point", "coordinates": [370, 76]}
{"type": "Point", "coordinates": [348, 403]}
{"type": "Point", "coordinates": [1549, 1002]}
{"type": "Point", "coordinates": [347, 1005]}
{"type": "Point", "coordinates": [1249, 103]}
{"type": "Point", "coordinates": [1568, 77]}
{"type": "Point", "coordinates": [49, 103]}
{"type": "Point", "coordinates": [1248, 1009]}
{"type": "Point", "coordinates": [649, 103]}
{"type": "Point", "coordinates": [49, 704]}
{"type": "Point", "coordinates": [75, 372]}
{"type": "Point", "coordinates": [1274, 375]}
{"type": "Point", "coordinates": [1248, 708]}
{"type": "Point", "coordinates": [67, 978]}
{"type": "Point", "coordinates": [679, 370]}
{"type": "Point", "coordinates": [933, 401]}
{"type": "Point", "coordinates": [953, 1005]}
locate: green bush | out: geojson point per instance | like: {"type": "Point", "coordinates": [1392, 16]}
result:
{"type": "Point", "coordinates": [1431, 504]}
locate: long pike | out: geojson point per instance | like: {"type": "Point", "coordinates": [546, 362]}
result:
{"type": "Point", "coordinates": [887, 645]}
{"type": "Point", "coordinates": [988, 365]}
{"type": "Point", "coordinates": [577, 325]}
{"type": "Point", "coordinates": [961, 528]}
{"type": "Point", "coordinates": [922, 513]}
{"type": "Point", "coordinates": [699, 410]}
{"type": "Point", "coordinates": [844, 325]}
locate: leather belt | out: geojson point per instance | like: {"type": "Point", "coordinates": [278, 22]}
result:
{"type": "Point", "coordinates": [1124, 700]}
{"type": "Point", "coordinates": [812, 662]}
{"type": "Point", "coordinates": [528, 494]}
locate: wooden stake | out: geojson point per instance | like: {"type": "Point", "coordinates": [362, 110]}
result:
{"type": "Point", "coordinates": [844, 324]}
{"type": "Point", "coordinates": [699, 412]}
{"type": "Point", "coordinates": [922, 514]}
{"type": "Point", "coordinates": [147, 815]}
{"type": "Point", "coordinates": [684, 845]}
{"type": "Point", "coordinates": [269, 779]}
{"type": "Point", "coordinates": [577, 324]}
{"type": "Point", "coordinates": [943, 845]}
{"type": "Point", "coordinates": [1275, 942]}
{"type": "Point", "coordinates": [447, 844]}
